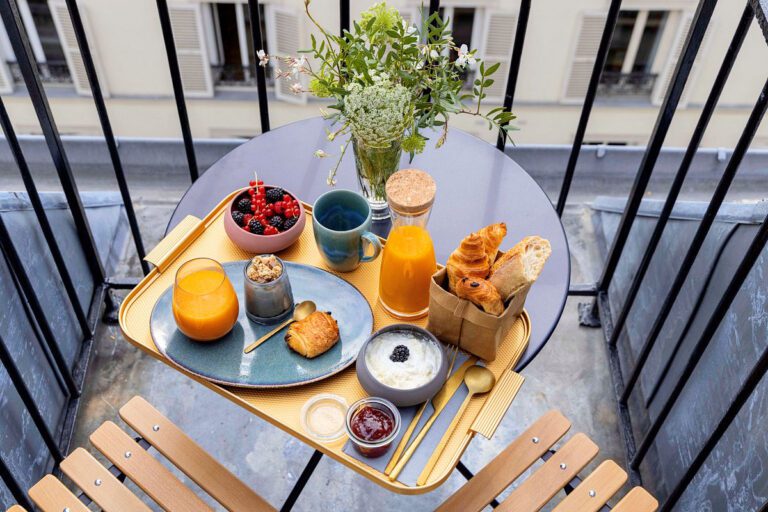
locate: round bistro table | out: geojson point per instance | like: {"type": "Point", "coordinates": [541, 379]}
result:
{"type": "Point", "coordinates": [476, 185]}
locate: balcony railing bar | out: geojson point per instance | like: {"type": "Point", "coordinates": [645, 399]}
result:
{"type": "Point", "coordinates": [42, 217]}
{"type": "Point", "coordinates": [664, 120]}
{"type": "Point", "coordinates": [20, 43]}
{"type": "Point", "coordinates": [514, 65]}
{"type": "Point", "coordinates": [589, 101]}
{"type": "Point", "coordinates": [698, 241]}
{"type": "Point", "coordinates": [745, 391]}
{"type": "Point", "coordinates": [344, 23]}
{"type": "Point", "coordinates": [106, 127]}
{"type": "Point", "coordinates": [662, 376]}
{"type": "Point", "coordinates": [29, 403]}
{"type": "Point", "coordinates": [677, 184]}
{"type": "Point", "coordinates": [178, 88]}
{"type": "Point", "coordinates": [38, 313]}
{"type": "Point", "coordinates": [733, 287]}
{"type": "Point", "coordinates": [261, 77]}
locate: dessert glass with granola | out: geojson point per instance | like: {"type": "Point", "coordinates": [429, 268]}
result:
{"type": "Point", "coordinates": [268, 296]}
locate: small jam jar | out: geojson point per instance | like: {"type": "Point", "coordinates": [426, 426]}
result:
{"type": "Point", "coordinates": [372, 424]}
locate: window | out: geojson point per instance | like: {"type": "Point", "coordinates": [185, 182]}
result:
{"type": "Point", "coordinates": [230, 42]}
{"type": "Point", "coordinates": [44, 41]}
{"type": "Point", "coordinates": [628, 68]}
{"type": "Point", "coordinates": [462, 23]}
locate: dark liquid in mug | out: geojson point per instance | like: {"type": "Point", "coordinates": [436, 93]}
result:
{"type": "Point", "coordinates": [340, 218]}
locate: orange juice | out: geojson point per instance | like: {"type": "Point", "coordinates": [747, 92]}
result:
{"type": "Point", "coordinates": [407, 265]}
{"type": "Point", "coordinates": [205, 305]}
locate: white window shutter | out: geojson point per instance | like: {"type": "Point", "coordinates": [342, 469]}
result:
{"type": "Point", "coordinates": [500, 28]}
{"type": "Point", "coordinates": [591, 29]}
{"type": "Point", "coordinates": [68, 41]}
{"type": "Point", "coordinates": [6, 80]}
{"type": "Point", "coordinates": [664, 80]}
{"type": "Point", "coordinates": [284, 32]}
{"type": "Point", "coordinates": [188, 36]}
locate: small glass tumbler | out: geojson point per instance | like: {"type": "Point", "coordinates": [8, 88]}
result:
{"type": "Point", "coordinates": [378, 407]}
{"type": "Point", "coordinates": [268, 303]}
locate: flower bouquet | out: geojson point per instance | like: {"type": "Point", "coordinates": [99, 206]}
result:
{"type": "Point", "coordinates": [392, 84]}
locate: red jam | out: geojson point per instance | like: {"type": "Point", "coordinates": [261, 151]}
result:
{"type": "Point", "coordinates": [371, 425]}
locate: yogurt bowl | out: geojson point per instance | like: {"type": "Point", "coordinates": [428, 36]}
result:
{"type": "Point", "coordinates": [403, 363]}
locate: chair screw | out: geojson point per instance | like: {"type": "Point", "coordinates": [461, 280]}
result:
{"type": "Point", "coordinates": [535, 440]}
{"type": "Point", "coordinates": [156, 428]}
{"type": "Point", "coordinates": [66, 509]}
{"type": "Point", "coordinates": [592, 493]}
{"type": "Point", "coordinates": [97, 482]}
{"type": "Point", "coordinates": [128, 455]}
{"type": "Point", "coordinates": [563, 465]}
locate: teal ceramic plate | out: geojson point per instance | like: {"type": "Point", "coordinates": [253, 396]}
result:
{"type": "Point", "coordinates": [273, 364]}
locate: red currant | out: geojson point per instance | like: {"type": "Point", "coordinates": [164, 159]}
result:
{"type": "Point", "coordinates": [264, 222]}
{"type": "Point", "coordinates": [252, 183]}
{"type": "Point", "coordinates": [261, 182]}
{"type": "Point", "coordinates": [247, 217]}
{"type": "Point", "coordinates": [286, 197]}
{"type": "Point", "coordinates": [247, 228]}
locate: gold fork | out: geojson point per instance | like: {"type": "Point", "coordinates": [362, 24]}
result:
{"type": "Point", "coordinates": [415, 421]}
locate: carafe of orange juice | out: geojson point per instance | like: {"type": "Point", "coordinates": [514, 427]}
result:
{"type": "Point", "coordinates": [408, 260]}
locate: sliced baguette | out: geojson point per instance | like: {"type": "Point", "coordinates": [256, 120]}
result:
{"type": "Point", "coordinates": [520, 266]}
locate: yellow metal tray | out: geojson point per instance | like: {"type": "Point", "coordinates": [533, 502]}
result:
{"type": "Point", "coordinates": [194, 238]}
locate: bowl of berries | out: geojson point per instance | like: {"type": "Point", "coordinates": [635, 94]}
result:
{"type": "Point", "coordinates": [264, 218]}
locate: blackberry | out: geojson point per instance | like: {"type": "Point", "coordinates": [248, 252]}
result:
{"type": "Point", "coordinates": [289, 223]}
{"type": "Point", "coordinates": [277, 222]}
{"type": "Point", "coordinates": [255, 226]}
{"type": "Point", "coordinates": [238, 217]}
{"type": "Point", "coordinates": [400, 354]}
{"type": "Point", "coordinates": [274, 195]}
{"type": "Point", "coordinates": [244, 205]}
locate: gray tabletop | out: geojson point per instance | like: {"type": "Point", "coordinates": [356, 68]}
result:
{"type": "Point", "coordinates": [476, 185]}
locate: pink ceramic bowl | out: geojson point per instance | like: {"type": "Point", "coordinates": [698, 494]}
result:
{"type": "Point", "coordinates": [260, 244]}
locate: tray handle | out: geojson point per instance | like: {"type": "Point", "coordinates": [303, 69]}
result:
{"type": "Point", "coordinates": [173, 243]}
{"type": "Point", "coordinates": [495, 408]}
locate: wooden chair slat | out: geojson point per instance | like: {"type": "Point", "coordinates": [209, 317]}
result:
{"type": "Point", "coordinates": [145, 471]}
{"type": "Point", "coordinates": [50, 495]}
{"type": "Point", "coordinates": [509, 464]}
{"type": "Point", "coordinates": [549, 479]}
{"type": "Point", "coordinates": [637, 500]}
{"type": "Point", "coordinates": [603, 482]}
{"type": "Point", "coordinates": [16, 508]}
{"type": "Point", "coordinates": [190, 458]}
{"type": "Point", "coordinates": [110, 494]}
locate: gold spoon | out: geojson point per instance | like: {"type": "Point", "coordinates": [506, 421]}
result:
{"type": "Point", "coordinates": [483, 381]}
{"type": "Point", "coordinates": [478, 380]}
{"type": "Point", "coordinates": [300, 312]}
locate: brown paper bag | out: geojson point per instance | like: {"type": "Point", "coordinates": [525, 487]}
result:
{"type": "Point", "coordinates": [459, 322]}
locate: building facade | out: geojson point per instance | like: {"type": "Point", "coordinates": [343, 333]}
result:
{"type": "Point", "coordinates": [216, 56]}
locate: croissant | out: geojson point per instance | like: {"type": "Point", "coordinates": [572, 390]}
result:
{"type": "Point", "coordinates": [468, 260]}
{"type": "Point", "coordinates": [482, 293]}
{"type": "Point", "coordinates": [520, 266]}
{"type": "Point", "coordinates": [313, 335]}
{"type": "Point", "coordinates": [492, 237]}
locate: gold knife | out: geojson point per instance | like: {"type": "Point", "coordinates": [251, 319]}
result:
{"type": "Point", "coordinates": [439, 401]}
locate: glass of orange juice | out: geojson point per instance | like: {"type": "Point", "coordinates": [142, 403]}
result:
{"type": "Point", "coordinates": [408, 259]}
{"type": "Point", "coordinates": [205, 304]}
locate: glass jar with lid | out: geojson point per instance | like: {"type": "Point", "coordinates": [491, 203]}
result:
{"type": "Point", "coordinates": [408, 259]}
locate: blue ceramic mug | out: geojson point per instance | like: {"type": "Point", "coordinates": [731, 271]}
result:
{"type": "Point", "coordinates": [341, 220]}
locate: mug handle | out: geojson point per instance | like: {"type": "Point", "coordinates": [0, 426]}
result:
{"type": "Point", "coordinates": [372, 240]}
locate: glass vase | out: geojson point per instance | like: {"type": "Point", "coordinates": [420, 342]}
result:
{"type": "Point", "coordinates": [374, 167]}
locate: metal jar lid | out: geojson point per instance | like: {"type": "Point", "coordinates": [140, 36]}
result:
{"type": "Point", "coordinates": [411, 191]}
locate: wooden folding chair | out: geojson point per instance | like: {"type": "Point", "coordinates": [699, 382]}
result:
{"type": "Point", "coordinates": [130, 457]}
{"type": "Point", "coordinates": [558, 472]}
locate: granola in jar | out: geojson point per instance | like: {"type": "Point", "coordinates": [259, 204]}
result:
{"type": "Point", "coordinates": [264, 268]}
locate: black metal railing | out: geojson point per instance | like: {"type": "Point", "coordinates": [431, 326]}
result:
{"type": "Point", "coordinates": [600, 82]}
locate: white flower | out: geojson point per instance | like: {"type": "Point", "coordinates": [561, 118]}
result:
{"type": "Point", "coordinates": [331, 181]}
{"type": "Point", "coordinates": [296, 88]}
{"type": "Point", "coordinates": [297, 65]}
{"type": "Point", "coordinates": [321, 154]}
{"type": "Point", "coordinates": [465, 57]}
{"type": "Point", "coordinates": [263, 58]}
{"type": "Point", "coordinates": [420, 64]}
{"type": "Point", "coordinates": [434, 55]}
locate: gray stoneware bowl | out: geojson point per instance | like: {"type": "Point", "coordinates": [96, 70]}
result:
{"type": "Point", "coordinates": [402, 397]}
